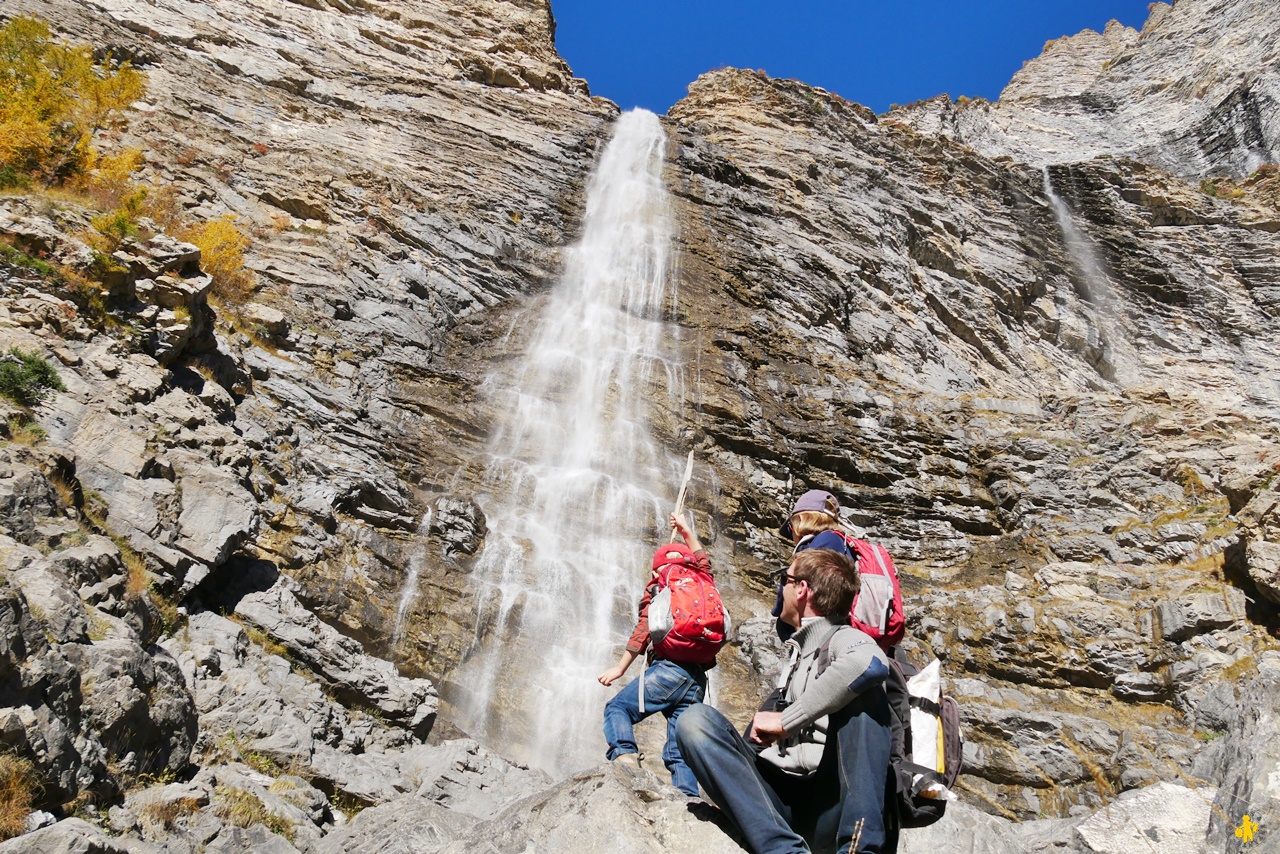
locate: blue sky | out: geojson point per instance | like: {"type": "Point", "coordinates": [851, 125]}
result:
{"type": "Point", "coordinates": [874, 52]}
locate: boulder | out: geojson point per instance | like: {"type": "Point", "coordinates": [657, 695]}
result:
{"type": "Point", "coordinates": [136, 702]}
{"type": "Point", "coordinates": [1181, 618]}
{"type": "Point", "coordinates": [964, 829]}
{"type": "Point", "coordinates": [460, 523]}
{"type": "Point", "coordinates": [406, 825]}
{"type": "Point", "coordinates": [1247, 764]}
{"type": "Point", "coordinates": [1171, 817]}
{"type": "Point", "coordinates": [48, 593]}
{"type": "Point", "coordinates": [1263, 560]}
{"type": "Point", "coordinates": [218, 514]}
{"type": "Point", "coordinates": [69, 836]}
{"type": "Point", "coordinates": [623, 810]}
{"type": "Point", "coordinates": [26, 499]}
{"type": "Point", "coordinates": [340, 662]}
{"type": "Point", "coordinates": [271, 320]}
{"type": "Point", "coordinates": [465, 777]}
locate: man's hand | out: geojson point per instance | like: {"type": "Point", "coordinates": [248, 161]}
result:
{"type": "Point", "coordinates": [609, 676]}
{"type": "Point", "coordinates": [766, 727]}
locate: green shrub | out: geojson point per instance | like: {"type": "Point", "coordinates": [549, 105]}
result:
{"type": "Point", "coordinates": [12, 179]}
{"type": "Point", "coordinates": [21, 259]}
{"type": "Point", "coordinates": [26, 378]}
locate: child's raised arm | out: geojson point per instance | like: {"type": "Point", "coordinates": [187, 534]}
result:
{"type": "Point", "coordinates": [681, 527]}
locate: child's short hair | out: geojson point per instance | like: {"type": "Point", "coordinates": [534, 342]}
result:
{"type": "Point", "coordinates": [809, 522]}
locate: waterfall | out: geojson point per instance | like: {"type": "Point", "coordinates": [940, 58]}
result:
{"type": "Point", "coordinates": [409, 592]}
{"type": "Point", "coordinates": [576, 489]}
{"type": "Point", "coordinates": [1093, 275]}
{"type": "Point", "coordinates": [1098, 333]}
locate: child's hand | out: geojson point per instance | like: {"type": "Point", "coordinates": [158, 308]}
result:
{"type": "Point", "coordinates": [681, 526]}
{"type": "Point", "coordinates": [609, 676]}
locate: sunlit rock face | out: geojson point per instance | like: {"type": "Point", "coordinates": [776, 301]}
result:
{"type": "Point", "coordinates": [1186, 93]}
{"type": "Point", "coordinates": [1031, 383]}
{"type": "Point", "coordinates": [1050, 391]}
{"type": "Point", "coordinates": [399, 167]}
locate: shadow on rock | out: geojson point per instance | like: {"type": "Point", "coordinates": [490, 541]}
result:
{"type": "Point", "coordinates": [239, 577]}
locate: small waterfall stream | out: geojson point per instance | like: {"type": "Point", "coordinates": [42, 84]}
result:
{"type": "Point", "coordinates": [409, 592]}
{"type": "Point", "coordinates": [1081, 249]}
{"type": "Point", "coordinates": [1099, 334]}
{"type": "Point", "coordinates": [576, 488]}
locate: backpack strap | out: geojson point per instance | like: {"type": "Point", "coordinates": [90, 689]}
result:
{"type": "Point", "coordinates": [824, 652]}
{"type": "Point", "coordinates": [921, 776]}
{"type": "Point", "coordinates": [926, 705]}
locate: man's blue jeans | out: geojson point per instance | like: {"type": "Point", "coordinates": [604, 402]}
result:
{"type": "Point", "coordinates": [670, 688]}
{"type": "Point", "coordinates": [780, 814]}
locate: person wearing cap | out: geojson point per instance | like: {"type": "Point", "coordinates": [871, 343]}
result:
{"type": "Point", "coordinates": [812, 524]}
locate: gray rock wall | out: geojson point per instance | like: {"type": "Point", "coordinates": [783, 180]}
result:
{"type": "Point", "coordinates": [1183, 94]}
{"type": "Point", "coordinates": [1072, 462]}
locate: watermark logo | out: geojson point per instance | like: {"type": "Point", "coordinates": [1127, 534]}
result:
{"type": "Point", "coordinates": [1246, 830]}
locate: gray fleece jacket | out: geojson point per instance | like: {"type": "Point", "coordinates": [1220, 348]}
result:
{"type": "Point", "coordinates": [856, 665]}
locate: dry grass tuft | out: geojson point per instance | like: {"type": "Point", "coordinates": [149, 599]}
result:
{"type": "Point", "coordinates": [245, 809]}
{"type": "Point", "coordinates": [163, 814]}
{"type": "Point", "coordinates": [20, 787]}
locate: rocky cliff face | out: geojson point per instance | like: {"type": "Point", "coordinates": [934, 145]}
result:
{"type": "Point", "coordinates": [1187, 94]}
{"type": "Point", "coordinates": [901, 317]}
{"type": "Point", "coordinates": [1051, 392]}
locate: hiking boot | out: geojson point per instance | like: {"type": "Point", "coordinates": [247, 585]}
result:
{"type": "Point", "coordinates": [631, 760]}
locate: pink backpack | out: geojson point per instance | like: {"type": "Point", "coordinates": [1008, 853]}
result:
{"type": "Point", "coordinates": [877, 610]}
{"type": "Point", "coordinates": [687, 621]}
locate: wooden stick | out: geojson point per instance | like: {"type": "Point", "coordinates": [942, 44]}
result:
{"type": "Point", "coordinates": [684, 484]}
{"type": "Point", "coordinates": [857, 836]}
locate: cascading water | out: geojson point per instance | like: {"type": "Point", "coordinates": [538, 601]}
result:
{"type": "Point", "coordinates": [1102, 341]}
{"type": "Point", "coordinates": [576, 488]}
{"type": "Point", "coordinates": [1080, 247]}
{"type": "Point", "coordinates": [409, 592]}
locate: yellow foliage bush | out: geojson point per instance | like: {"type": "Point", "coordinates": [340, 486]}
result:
{"type": "Point", "coordinates": [107, 180]}
{"type": "Point", "coordinates": [222, 248]}
{"type": "Point", "coordinates": [53, 98]}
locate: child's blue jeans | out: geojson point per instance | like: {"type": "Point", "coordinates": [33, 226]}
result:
{"type": "Point", "coordinates": [670, 688]}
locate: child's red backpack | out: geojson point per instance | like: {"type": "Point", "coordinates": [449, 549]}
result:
{"type": "Point", "coordinates": [877, 610]}
{"type": "Point", "coordinates": [687, 621]}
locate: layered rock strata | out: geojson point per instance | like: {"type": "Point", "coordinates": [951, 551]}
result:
{"type": "Point", "coordinates": [1062, 424]}
{"type": "Point", "coordinates": [1185, 93]}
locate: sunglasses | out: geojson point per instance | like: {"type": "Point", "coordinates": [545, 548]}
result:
{"type": "Point", "coordinates": [780, 574]}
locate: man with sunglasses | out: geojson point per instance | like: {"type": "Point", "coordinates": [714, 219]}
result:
{"type": "Point", "coordinates": [812, 773]}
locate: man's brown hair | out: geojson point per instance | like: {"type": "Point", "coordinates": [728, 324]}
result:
{"type": "Point", "coordinates": [833, 578]}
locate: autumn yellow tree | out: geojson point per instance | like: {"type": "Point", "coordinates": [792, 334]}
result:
{"type": "Point", "coordinates": [53, 98]}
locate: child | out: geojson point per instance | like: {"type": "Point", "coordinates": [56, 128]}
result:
{"type": "Point", "coordinates": [670, 686]}
{"type": "Point", "coordinates": [878, 611]}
